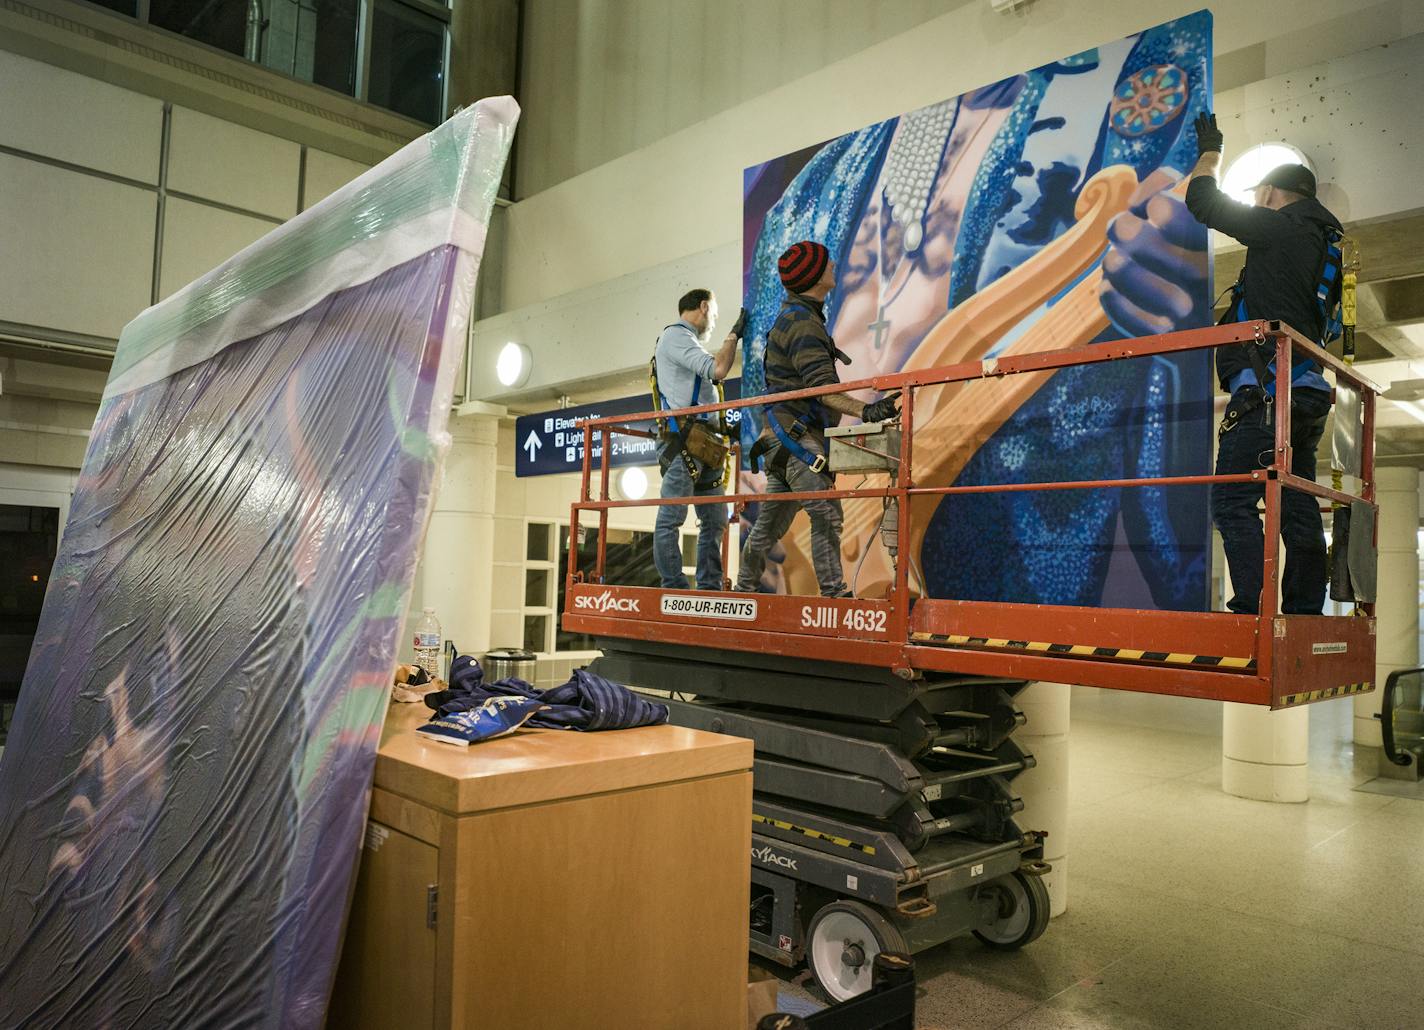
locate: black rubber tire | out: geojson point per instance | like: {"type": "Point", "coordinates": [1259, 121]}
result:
{"type": "Point", "coordinates": [1025, 890]}
{"type": "Point", "coordinates": [886, 935]}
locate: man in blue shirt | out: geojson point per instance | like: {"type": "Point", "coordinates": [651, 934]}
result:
{"type": "Point", "coordinates": [1285, 234]}
{"type": "Point", "coordinates": [687, 370]}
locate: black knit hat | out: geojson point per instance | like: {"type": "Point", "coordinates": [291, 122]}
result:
{"type": "Point", "coordinates": [802, 265]}
{"type": "Point", "coordinates": [1293, 177]}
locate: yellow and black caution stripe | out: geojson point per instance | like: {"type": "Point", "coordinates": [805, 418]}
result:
{"type": "Point", "coordinates": [1344, 690]}
{"type": "Point", "coordinates": [1126, 654]}
{"type": "Point", "coordinates": [845, 842]}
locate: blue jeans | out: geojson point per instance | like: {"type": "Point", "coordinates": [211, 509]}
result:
{"type": "Point", "coordinates": [775, 517]}
{"type": "Point", "coordinates": [1245, 443]}
{"type": "Point", "coordinates": [711, 523]}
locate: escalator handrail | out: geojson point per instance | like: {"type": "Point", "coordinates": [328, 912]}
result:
{"type": "Point", "coordinates": [1386, 716]}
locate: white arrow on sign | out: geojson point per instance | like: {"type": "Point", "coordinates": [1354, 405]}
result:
{"type": "Point", "coordinates": [532, 443]}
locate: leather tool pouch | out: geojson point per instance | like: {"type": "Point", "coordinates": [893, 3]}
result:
{"type": "Point", "coordinates": [705, 444]}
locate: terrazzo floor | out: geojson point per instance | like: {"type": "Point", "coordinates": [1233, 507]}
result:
{"type": "Point", "coordinates": [1189, 908]}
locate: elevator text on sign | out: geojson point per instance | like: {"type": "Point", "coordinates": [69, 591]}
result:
{"type": "Point", "coordinates": [552, 441]}
{"type": "Point", "coordinates": [859, 620]}
{"type": "Point", "coordinates": [740, 609]}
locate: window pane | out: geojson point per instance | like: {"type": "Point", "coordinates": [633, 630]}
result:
{"type": "Point", "coordinates": [219, 23]}
{"type": "Point", "coordinates": [407, 58]}
{"type": "Point", "coordinates": [334, 50]}
{"type": "Point", "coordinates": [314, 41]}
{"type": "Point", "coordinates": [536, 629]}
{"type": "Point", "coordinates": [537, 547]}
{"type": "Point", "coordinates": [28, 539]}
{"type": "Point", "coordinates": [129, 7]}
{"type": "Point", "coordinates": [536, 588]}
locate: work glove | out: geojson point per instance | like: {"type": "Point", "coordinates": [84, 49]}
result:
{"type": "Point", "coordinates": [740, 325]}
{"type": "Point", "coordinates": [1209, 137]}
{"type": "Point", "coordinates": [879, 411]}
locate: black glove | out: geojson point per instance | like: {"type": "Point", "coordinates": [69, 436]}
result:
{"type": "Point", "coordinates": [740, 325]}
{"type": "Point", "coordinates": [879, 411]}
{"type": "Point", "coordinates": [1209, 137]}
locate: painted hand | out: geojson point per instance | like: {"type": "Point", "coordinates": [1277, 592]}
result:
{"type": "Point", "coordinates": [1155, 270]}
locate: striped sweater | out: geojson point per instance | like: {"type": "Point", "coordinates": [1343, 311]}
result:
{"type": "Point", "coordinates": [800, 353]}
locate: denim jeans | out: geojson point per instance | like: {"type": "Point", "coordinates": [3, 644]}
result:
{"type": "Point", "coordinates": [711, 523]}
{"type": "Point", "coordinates": [774, 519]}
{"type": "Point", "coordinates": [1245, 443]}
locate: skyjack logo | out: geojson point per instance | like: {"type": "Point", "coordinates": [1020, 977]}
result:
{"type": "Point", "coordinates": [606, 602]}
{"type": "Point", "coordinates": [768, 857]}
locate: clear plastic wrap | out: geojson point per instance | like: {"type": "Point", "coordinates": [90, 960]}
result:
{"type": "Point", "coordinates": [187, 775]}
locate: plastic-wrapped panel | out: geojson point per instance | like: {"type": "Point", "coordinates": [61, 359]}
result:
{"type": "Point", "coordinates": [187, 775]}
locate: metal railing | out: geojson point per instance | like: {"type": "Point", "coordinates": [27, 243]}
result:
{"type": "Point", "coordinates": [1275, 477]}
{"type": "Point", "coordinates": [1395, 751]}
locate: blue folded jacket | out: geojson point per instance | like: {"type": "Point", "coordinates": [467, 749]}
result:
{"type": "Point", "coordinates": [585, 702]}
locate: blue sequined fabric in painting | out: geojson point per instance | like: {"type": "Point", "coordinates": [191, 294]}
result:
{"type": "Point", "coordinates": [1055, 128]}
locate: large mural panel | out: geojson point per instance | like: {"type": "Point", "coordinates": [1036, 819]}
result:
{"type": "Point", "coordinates": [1043, 211]}
{"type": "Point", "coordinates": [188, 773]}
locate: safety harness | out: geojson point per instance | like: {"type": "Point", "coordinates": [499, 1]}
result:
{"type": "Point", "coordinates": [790, 439]}
{"type": "Point", "coordinates": [713, 452]}
{"type": "Point", "coordinates": [1327, 303]}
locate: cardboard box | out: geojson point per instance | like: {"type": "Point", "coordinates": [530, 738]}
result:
{"type": "Point", "coordinates": [762, 988]}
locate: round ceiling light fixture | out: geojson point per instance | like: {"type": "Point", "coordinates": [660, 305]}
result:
{"type": "Point", "coordinates": [513, 365]}
{"type": "Point", "coordinates": [633, 483]}
{"type": "Point", "coordinates": [1242, 175]}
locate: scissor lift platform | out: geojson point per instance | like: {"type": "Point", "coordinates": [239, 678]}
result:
{"type": "Point", "coordinates": [1269, 659]}
{"type": "Point", "coordinates": [1281, 661]}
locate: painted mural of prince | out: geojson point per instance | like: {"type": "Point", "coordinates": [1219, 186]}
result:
{"type": "Point", "coordinates": [1041, 212]}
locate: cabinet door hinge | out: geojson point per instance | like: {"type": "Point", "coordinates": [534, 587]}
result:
{"type": "Point", "coordinates": [432, 899]}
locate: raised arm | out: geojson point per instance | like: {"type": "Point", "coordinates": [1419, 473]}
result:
{"type": "Point", "coordinates": [1252, 226]}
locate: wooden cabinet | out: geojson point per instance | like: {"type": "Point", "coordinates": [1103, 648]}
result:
{"type": "Point", "coordinates": [551, 880]}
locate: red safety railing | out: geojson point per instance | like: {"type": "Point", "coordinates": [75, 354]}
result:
{"type": "Point", "coordinates": [1263, 659]}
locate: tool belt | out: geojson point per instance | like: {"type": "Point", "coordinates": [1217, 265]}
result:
{"type": "Point", "coordinates": [703, 442]}
{"type": "Point", "coordinates": [697, 441]}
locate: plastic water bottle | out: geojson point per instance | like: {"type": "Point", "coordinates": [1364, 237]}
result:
{"type": "Point", "coordinates": [427, 643]}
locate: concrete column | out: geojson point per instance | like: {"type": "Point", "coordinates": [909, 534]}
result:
{"type": "Point", "coordinates": [1044, 788]}
{"type": "Point", "coordinates": [1397, 602]}
{"type": "Point", "coordinates": [457, 564]}
{"type": "Point", "coordinates": [1263, 753]}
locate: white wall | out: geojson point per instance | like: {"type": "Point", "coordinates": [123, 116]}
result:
{"type": "Point", "coordinates": [671, 210]}
{"type": "Point", "coordinates": [84, 185]}
{"type": "Point", "coordinates": [602, 78]}
{"type": "Point", "coordinates": [605, 77]}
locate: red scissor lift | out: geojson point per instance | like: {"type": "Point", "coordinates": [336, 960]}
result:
{"type": "Point", "coordinates": [838, 691]}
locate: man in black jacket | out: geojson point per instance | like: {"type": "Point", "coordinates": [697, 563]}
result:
{"type": "Point", "coordinates": [1286, 234]}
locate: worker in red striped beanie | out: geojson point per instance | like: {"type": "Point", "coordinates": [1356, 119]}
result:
{"type": "Point", "coordinates": [799, 354]}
